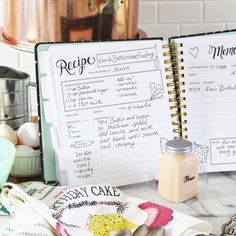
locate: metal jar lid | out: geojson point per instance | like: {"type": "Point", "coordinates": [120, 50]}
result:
{"type": "Point", "coordinates": [179, 146]}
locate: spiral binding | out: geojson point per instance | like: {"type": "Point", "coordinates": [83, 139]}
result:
{"type": "Point", "coordinates": [174, 76]}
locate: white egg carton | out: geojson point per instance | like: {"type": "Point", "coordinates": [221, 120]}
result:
{"type": "Point", "coordinates": [26, 164]}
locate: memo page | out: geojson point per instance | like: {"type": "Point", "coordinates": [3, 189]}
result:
{"type": "Point", "coordinates": [112, 109]}
{"type": "Point", "coordinates": [210, 89]}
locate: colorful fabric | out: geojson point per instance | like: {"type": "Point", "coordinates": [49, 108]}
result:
{"type": "Point", "coordinates": [91, 210]}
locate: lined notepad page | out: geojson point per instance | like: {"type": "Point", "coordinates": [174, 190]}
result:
{"type": "Point", "coordinates": [210, 84]}
{"type": "Point", "coordinates": [113, 109]}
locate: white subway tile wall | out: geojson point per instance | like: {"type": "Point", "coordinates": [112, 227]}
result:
{"type": "Point", "coordinates": [165, 18]}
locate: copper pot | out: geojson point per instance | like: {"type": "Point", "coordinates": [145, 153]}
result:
{"type": "Point", "coordinates": [27, 22]}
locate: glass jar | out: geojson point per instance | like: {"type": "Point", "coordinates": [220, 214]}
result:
{"type": "Point", "coordinates": [178, 171]}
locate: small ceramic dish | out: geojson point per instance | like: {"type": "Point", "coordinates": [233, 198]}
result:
{"type": "Point", "coordinates": [26, 164]}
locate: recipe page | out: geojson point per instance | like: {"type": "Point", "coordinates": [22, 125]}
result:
{"type": "Point", "coordinates": [112, 103]}
{"type": "Point", "coordinates": [210, 91]}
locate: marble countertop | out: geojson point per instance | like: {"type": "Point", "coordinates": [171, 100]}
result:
{"type": "Point", "coordinates": [216, 201]}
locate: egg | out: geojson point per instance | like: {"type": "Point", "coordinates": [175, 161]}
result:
{"type": "Point", "coordinates": [34, 119]}
{"type": "Point", "coordinates": [28, 134]}
{"type": "Point", "coordinates": [24, 148]}
{"type": "Point", "coordinates": [18, 141]}
{"type": "Point", "coordinates": [7, 132]}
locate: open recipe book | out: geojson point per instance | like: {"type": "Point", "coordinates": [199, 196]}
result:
{"type": "Point", "coordinates": [108, 108]}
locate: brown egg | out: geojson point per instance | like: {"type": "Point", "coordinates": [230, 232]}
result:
{"type": "Point", "coordinates": [7, 132]}
{"type": "Point", "coordinates": [34, 119]}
